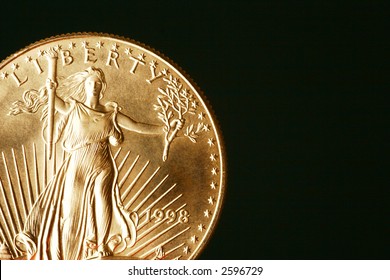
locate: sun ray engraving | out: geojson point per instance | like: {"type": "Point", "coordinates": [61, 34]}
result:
{"type": "Point", "coordinates": [7, 208]}
{"type": "Point", "coordinates": [124, 178]}
{"type": "Point", "coordinates": [19, 181]}
{"type": "Point", "coordinates": [2, 237]}
{"type": "Point", "coordinates": [181, 207]}
{"type": "Point", "coordinates": [161, 197]}
{"type": "Point", "coordinates": [170, 203]}
{"type": "Point", "coordinates": [123, 161]}
{"type": "Point", "coordinates": [149, 230]}
{"type": "Point", "coordinates": [36, 171]}
{"type": "Point", "coordinates": [7, 237]}
{"type": "Point", "coordinates": [135, 196]}
{"type": "Point", "coordinates": [125, 194]}
{"type": "Point", "coordinates": [147, 210]}
{"type": "Point", "coordinates": [28, 179]}
{"type": "Point", "coordinates": [3, 241]}
{"type": "Point", "coordinates": [117, 153]}
{"type": "Point", "coordinates": [152, 239]}
{"type": "Point", "coordinates": [4, 222]}
{"type": "Point", "coordinates": [17, 213]}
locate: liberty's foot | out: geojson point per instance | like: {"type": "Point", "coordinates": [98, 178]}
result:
{"type": "Point", "coordinates": [104, 251]}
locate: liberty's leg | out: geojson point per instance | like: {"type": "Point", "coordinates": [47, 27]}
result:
{"type": "Point", "coordinates": [72, 217]}
{"type": "Point", "coordinates": [103, 211]}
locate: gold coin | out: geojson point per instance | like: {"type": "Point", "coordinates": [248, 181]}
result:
{"type": "Point", "coordinates": [108, 151]}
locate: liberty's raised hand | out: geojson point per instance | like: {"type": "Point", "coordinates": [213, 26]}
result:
{"type": "Point", "coordinates": [50, 84]}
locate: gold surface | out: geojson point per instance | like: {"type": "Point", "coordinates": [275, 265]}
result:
{"type": "Point", "coordinates": [109, 151]}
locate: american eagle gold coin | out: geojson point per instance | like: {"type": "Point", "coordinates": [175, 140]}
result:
{"type": "Point", "coordinates": [108, 151]}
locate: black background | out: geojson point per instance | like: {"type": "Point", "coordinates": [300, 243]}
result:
{"type": "Point", "coordinates": [301, 92]}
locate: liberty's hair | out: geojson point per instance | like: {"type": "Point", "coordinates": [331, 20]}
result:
{"type": "Point", "coordinates": [73, 87]}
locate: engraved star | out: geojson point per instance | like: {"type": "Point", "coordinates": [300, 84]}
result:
{"type": "Point", "coordinates": [207, 213]}
{"type": "Point", "coordinates": [211, 142]}
{"type": "Point", "coordinates": [186, 250]}
{"type": "Point", "coordinates": [175, 81]}
{"type": "Point", "coordinates": [4, 75]}
{"type": "Point", "coordinates": [28, 59]}
{"type": "Point", "coordinates": [194, 104]}
{"type": "Point", "coordinates": [211, 200]}
{"type": "Point", "coordinates": [201, 116]}
{"type": "Point", "coordinates": [213, 185]}
{"type": "Point", "coordinates": [15, 66]}
{"type": "Point", "coordinates": [165, 71]}
{"type": "Point", "coordinates": [128, 51]}
{"type": "Point", "coordinates": [213, 157]}
{"type": "Point", "coordinates": [201, 227]}
{"type": "Point", "coordinates": [58, 48]}
{"type": "Point", "coordinates": [84, 44]}
{"type": "Point", "coordinates": [41, 53]}
{"type": "Point", "coordinates": [153, 64]}
{"type": "Point", "coordinates": [141, 56]}
{"type": "Point", "coordinates": [99, 44]}
{"type": "Point", "coordinates": [72, 45]}
{"type": "Point", "coordinates": [214, 171]}
{"type": "Point", "coordinates": [194, 239]}
{"type": "Point", "coordinates": [115, 47]}
{"type": "Point", "coordinates": [206, 127]}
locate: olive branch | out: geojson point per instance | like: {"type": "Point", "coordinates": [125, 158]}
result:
{"type": "Point", "coordinates": [174, 103]}
{"type": "Point", "coordinates": [193, 134]}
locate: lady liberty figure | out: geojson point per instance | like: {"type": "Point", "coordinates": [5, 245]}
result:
{"type": "Point", "coordinates": [80, 208]}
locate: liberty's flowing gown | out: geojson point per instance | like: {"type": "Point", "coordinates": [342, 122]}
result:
{"type": "Point", "coordinates": [63, 220]}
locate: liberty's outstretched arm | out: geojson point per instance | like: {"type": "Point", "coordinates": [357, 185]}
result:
{"type": "Point", "coordinates": [129, 124]}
